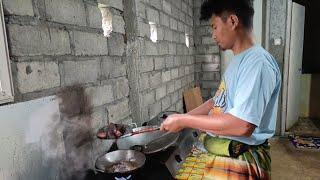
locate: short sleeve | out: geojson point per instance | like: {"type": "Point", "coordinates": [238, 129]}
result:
{"type": "Point", "coordinates": [256, 81]}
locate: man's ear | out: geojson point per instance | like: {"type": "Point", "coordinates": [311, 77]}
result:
{"type": "Point", "coordinates": [234, 21]}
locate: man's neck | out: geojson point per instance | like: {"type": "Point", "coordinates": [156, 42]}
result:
{"type": "Point", "coordinates": [244, 42]}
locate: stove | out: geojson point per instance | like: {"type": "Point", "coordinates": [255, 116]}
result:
{"type": "Point", "coordinates": [161, 165]}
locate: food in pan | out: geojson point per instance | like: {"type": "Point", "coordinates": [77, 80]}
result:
{"type": "Point", "coordinates": [112, 131]}
{"type": "Point", "coordinates": [121, 167]}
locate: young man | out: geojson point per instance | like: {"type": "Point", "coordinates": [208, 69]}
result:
{"type": "Point", "coordinates": [243, 111]}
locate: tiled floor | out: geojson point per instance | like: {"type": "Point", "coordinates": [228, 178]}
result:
{"type": "Point", "coordinates": [291, 163]}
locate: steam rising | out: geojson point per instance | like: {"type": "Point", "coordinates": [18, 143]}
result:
{"type": "Point", "coordinates": [68, 139]}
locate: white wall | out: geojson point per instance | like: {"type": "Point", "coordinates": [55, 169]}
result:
{"type": "Point", "coordinates": [24, 138]}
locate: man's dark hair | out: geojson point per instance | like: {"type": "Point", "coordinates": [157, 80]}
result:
{"type": "Point", "coordinates": [241, 8]}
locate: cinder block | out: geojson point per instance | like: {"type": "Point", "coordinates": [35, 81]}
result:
{"type": "Point", "coordinates": [177, 60]}
{"type": "Point", "coordinates": [118, 24]}
{"type": "Point", "coordinates": [175, 12]}
{"type": "Point", "coordinates": [18, 7]}
{"type": "Point", "coordinates": [177, 3]}
{"type": "Point", "coordinates": [190, 11]}
{"type": "Point", "coordinates": [177, 84]}
{"type": "Point", "coordinates": [169, 61]}
{"type": "Point", "coordinates": [187, 68]}
{"type": "Point", "coordinates": [207, 40]}
{"type": "Point", "coordinates": [159, 63]}
{"type": "Point", "coordinates": [35, 76]}
{"type": "Point", "coordinates": [189, 21]}
{"type": "Point", "coordinates": [117, 4]}
{"type": "Point", "coordinates": [69, 12]}
{"type": "Point", "coordinates": [166, 7]}
{"type": "Point", "coordinates": [141, 12]}
{"type": "Point", "coordinates": [211, 67]}
{"type": "Point", "coordinates": [174, 73]}
{"type": "Point", "coordinates": [148, 98]}
{"type": "Point", "coordinates": [165, 103]}
{"type": "Point", "coordinates": [209, 84]}
{"type": "Point", "coordinates": [155, 79]}
{"type": "Point", "coordinates": [160, 33]}
{"type": "Point", "coordinates": [150, 48]}
{"type": "Point", "coordinates": [174, 97]}
{"type": "Point", "coordinates": [79, 72]}
{"type": "Point", "coordinates": [89, 44]}
{"type": "Point", "coordinates": [180, 26]}
{"type": "Point", "coordinates": [166, 76]}
{"type": "Point", "coordinates": [168, 35]}
{"type": "Point", "coordinates": [112, 67]}
{"type": "Point", "coordinates": [116, 44]}
{"type": "Point", "coordinates": [121, 88]}
{"type": "Point", "coordinates": [118, 111]}
{"type": "Point", "coordinates": [172, 48]}
{"type": "Point", "coordinates": [153, 15]}
{"type": "Point", "coordinates": [170, 87]}
{"type": "Point", "coordinates": [99, 95]}
{"type": "Point", "coordinates": [143, 28]}
{"type": "Point", "coordinates": [154, 110]}
{"type": "Point", "coordinates": [173, 24]}
{"type": "Point", "coordinates": [120, 67]}
{"type": "Point", "coordinates": [209, 76]}
{"type": "Point", "coordinates": [181, 71]}
{"type": "Point", "coordinates": [197, 3]}
{"type": "Point", "coordinates": [146, 64]}
{"type": "Point", "coordinates": [163, 48]}
{"type": "Point", "coordinates": [156, 4]}
{"type": "Point", "coordinates": [161, 92]}
{"type": "Point", "coordinates": [164, 19]}
{"type": "Point", "coordinates": [144, 81]}
{"type": "Point", "coordinates": [45, 41]}
{"type": "Point", "coordinates": [94, 16]}
{"type": "Point", "coordinates": [179, 106]}
{"type": "Point", "coordinates": [184, 7]}
{"type": "Point", "coordinates": [206, 58]}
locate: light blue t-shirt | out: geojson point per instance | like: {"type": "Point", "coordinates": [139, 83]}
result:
{"type": "Point", "coordinates": [249, 90]}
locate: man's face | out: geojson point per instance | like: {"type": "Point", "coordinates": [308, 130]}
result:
{"type": "Point", "coordinates": [223, 32]}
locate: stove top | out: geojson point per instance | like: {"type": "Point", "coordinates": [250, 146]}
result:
{"type": "Point", "coordinates": [153, 169]}
{"type": "Point", "coordinates": [162, 165]}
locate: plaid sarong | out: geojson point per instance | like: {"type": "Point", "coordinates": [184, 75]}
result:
{"type": "Point", "coordinates": [254, 163]}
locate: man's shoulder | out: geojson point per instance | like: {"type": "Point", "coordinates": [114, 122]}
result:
{"type": "Point", "coordinates": [258, 55]}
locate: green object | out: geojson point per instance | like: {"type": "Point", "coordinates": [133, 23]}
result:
{"type": "Point", "coordinates": [216, 145]}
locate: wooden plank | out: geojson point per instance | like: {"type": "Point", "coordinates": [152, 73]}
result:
{"type": "Point", "coordinates": [192, 98]}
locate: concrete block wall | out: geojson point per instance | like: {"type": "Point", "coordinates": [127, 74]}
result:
{"type": "Point", "coordinates": [55, 44]}
{"type": "Point", "coordinates": [207, 55]}
{"type": "Point", "coordinates": [58, 46]}
{"type": "Point", "coordinates": [164, 68]}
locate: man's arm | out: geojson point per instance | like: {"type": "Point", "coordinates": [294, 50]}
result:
{"type": "Point", "coordinates": [224, 124]}
{"type": "Point", "coordinates": [203, 109]}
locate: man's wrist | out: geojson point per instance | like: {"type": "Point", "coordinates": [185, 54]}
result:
{"type": "Point", "coordinates": [184, 120]}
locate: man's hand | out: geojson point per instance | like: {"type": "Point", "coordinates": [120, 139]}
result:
{"type": "Point", "coordinates": [173, 123]}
